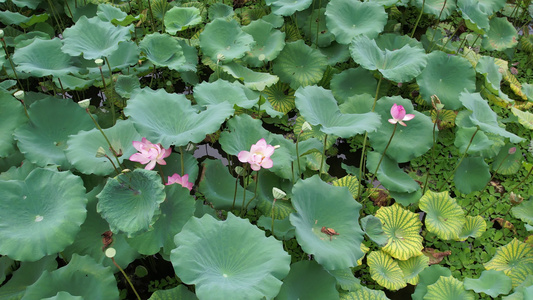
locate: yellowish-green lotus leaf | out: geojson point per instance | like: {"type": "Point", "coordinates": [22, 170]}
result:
{"type": "Point", "coordinates": [402, 228]}
{"type": "Point", "coordinates": [515, 259]}
{"type": "Point", "coordinates": [474, 227]}
{"type": "Point", "coordinates": [385, 271]}
{"type": "Point", "coordinates": [412, 267]}
{"type": "Point", "coordinates": [364, 293]}
{"type": "Point", "coordinates": [445, 217]}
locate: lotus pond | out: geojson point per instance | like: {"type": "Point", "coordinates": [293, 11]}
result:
{"type": "Point", "coordinates": [266, 149]}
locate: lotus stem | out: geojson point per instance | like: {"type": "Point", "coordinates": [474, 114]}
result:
{"type": "Point", "coordinates": [62, 89]}
{"type": "Point", "coordinates": [59, 22]}
{"type": "Point", "coordinates": [460, 160]}
{"type": "Point", "coordinates": [323, 154]}
{"type": "Point", "coordinates": [235, 193]}
{"type": "Point", "coordinates": [453, 34]}
{"type": "Point", "coordinates": [68, 8]}
{"type": "Point", "coordinates": [298, 154]}
{"type": "Point", "coordinates": [255, 192]}
{"type": "Point", "coordinates": [181, 160]}
{"type": "Point", "coordinates": [362, 160]}
{"type": "Point", "coordinates": [114, 166]}
{"type": "Point", "coordinates": [245, 183]}
{"type": "Point", "coordinates": [384, 152]}
{"type": "Point", "coordinates": [162, 173]}
{"type": "Point", "coordinates": [432, 153]}
{"type": "Point", "coordinates": [272, 216]}
{"type": "Point", "coordinates": [441, 10]}
{"type": "Point", "coordinates": [419, 17]}
{"type": "Point", "coordinates": [105, 137]}
{"type": "Point", "coordinates": [4, 45]}
{"type": "Point", "coordinates": [151, 15]}
{"type": "Point", "coordinates": [112, 89]}
{"type": "Point", "coordinates": [127, 278]}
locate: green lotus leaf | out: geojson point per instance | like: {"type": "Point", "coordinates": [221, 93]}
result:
{"type": "Point", "coordinates": [318, 106]}
{"type": "Point", "coordinates": [268, 43]}
{"type": "Point", "coordinates": [501, 35]}
{"type": "Point", "coordinates": [374, 229]}
{"type": "Point", "coordinates": [85, 277]}
{"type": "Point", "coordinates": [280, 96]}
{"type": "Point", "coordinates": [472, 175]}
{"type": "Point", "coordinates": [315, 133]}
{"type": "Point", "coordinates": [175, 212]}
{"type": "Point", "coordinates": [108, 13]}
{"type": "Point", "coordinates": [32, 4]}
{"type": "Point", "coordinates": [170, 119]}
{"type": "Point", "coordinates": [408, 142]}
{"type": "Point", "coordinates": [130, 202]}
{"type": "Point", "coordinates": [406, 199]}
{"type": "Point", "coordinates": [223, 40]}
{"type": "Point", "coordinates": [484, 117]}
{"type": "Point", "coordinates": [11, 117]}
{"type": "Point", "coordinates": [346, 279]}
{"type": "Point", "coordinates": [190, 165]}
{"type": "Point", "coordinates": [125, 56]}
{"type": "Point", "coordinates": [515, 259]}
{"type": "Point", "coordinates": [191, 58]}
{"type": "Point", "coordinates": [73, 83]}
{"type": "Point", "coordinates": [412, 267]}
{"type": "Point", "coordinates": [89, 238]}
{"type": "Point", "coordinates": [486, 65]}
{"type": "Point", "coordinates": [528, 90]}
{"type": "Point", "coordinates": [390, 175]}
{"type": "Point", "coordinates": [40, 215]}
{"type": "Point", "coordinates": [93, 38]}
{"type": "Point", "coordinates": [448, 288]}
{"type": "Point", "coordinates": [351, 82]}
{"type": "Point", "coordinates": [429, 276]}
{"type": "Point", "coordinates": [220, 10]}
{"type": "Point", "coordinates": [316, 30]}
{"type": "Point", "coordinates": [82, 147]}
{"type": "Point", "coordinates": [52, 120]}
{"type": "Point", "coordinates": [364, 293]}
{"type": "Point", "coordinates": [163, 50]}
{"type": "Point", "coordinates": [473, 227]}
{"type": "Point", "coordinates": [287, 7]}
{"type": "Point", "coordinates": [178, 293]}
{"type": "Point", "coordinates": [525, 118]}
{"type": "Point", "coordinates": [254, 80]}
{"type": "Point", "coordinates": [446, 76]}
{"type": "Point", "coordinates": [492, 283]}
{"type": "Point", "coordinates": [507, 164]}
{"type": "Point", "coordinates": [312, 213]}
{"type": "Point", "coordinates": [335, 53]}
{"type": "Point", "coordinates": [212, 93]}
{"type": "Point", "coordinates": [44, 58]}
{"type": "Point", "coordinates": [477, 145]}
{"type": "Point", "coordinates": [10, 18]}
{"type": "Point", "coordinates": [524, 211]}
{"type": "Point", "coordinates": [308, 280]}
{"type": "Point", "coordinates": [348, 19]}
{"type": "Point", "coordinates": [402, 228]}
{"type": "Point", "coordinates": [474, 13]}
{"type": "Point", "coordinates": [26, 275]}
{"type": "Point", "coordinates": [300, 65]}
{"type": "Point", "coordinates": [445, 217]}
{"type": "Point", "coordinates": [385, 271]}
{"type": "Point", "coordinates": [126, 85]}
{"type": "Point", "coordinates": [218, 187]}
{"type": "Point", "coordinates": [229, 259]}
{"type": "Point", "coordinates": [181, 18]}
{"type": "Point", "coordinates": [399, 65]}
{"type": "Point", "coordinates": [438, 8]}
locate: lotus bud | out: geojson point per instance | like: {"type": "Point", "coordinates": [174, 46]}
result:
{"type": "Point", "coordinates": [84, 103]}
{"type": "Point", "coordinates": [277, 193]}
{"type": "Point", "coordinates": [277, 146]}
{"type": "Point", "coordinates": [515, 199]}
{"type": "Point", "coordinates": [19, 95]}
{"type": "Point", "coordinates": [435, 101]}
{"type": "Point", "coordinates": [512, 150]}
{"type": "Point", "coordinates": [126, 171]}
{"type": "Point", "coordinates": [239, 170]}
{"type": "Point", "coordinates": [168, 83]}
{"type": "Point", "coordinates": [110, 252]}
{"type": "Point", "coordinates": [261, 57]}
{"type": "Point", "coordinates": [190, 147]}
{"type": "Point", "coordinates": [306, 126]}
{"type": "Point", "coordinates": [1, 34]}
{"type": "Point", "coordinates": [99, 62]}
{"type": "Point", "coordinates": [100, 152]}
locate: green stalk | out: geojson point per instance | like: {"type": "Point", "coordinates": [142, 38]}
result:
{"type": "Point", "coordinates": [272, 216]}
{"type": "Point", "coordinates": [384, 152]}
{"type": "Point", "coordinates": [419, 17]}
{"type": "Point", "coordinates": [362, 160]}
{"type": "Point", "coordinates": [255, 193]}
{"type": "Point", "coordinates": [235, 193]}
{"type": "Point", "coordinates": [460, 161]}
{"type": "Point", "coordinates": [151, 15]}
{"type": "Point", "coordinates": [111, 87]}
{"type": "Point", "coordinates": [432, 153]}
{"type": "Point", "coordinates": [105, 137]}
{"type": "Point", "coordinates": [323, 155]}
{"type": "Point", "coordinates": [127, 279]}
{"type": "Point", "coordinates": [181, 160]}
{"type": "Point", "coordinates": [4, 45]}
{"type": "Point", "coordinates": [62, 89]}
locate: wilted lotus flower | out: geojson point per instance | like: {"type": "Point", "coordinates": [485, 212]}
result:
{"type": "Point", "coordinates": [149, 153]}
{"type": "Point", "coordinates": [259, 155]}
{"type": "Point", "coordinates": [398, 115]}
{"type": "Point", "coordinates": [183, 180]}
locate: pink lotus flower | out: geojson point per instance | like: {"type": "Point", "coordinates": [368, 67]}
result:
{"type": "Point", "coordinates": [183, 180]}
{"type": "Point", "coordinates": [150, 154]}
{"type": "Point", "coordinates": [398, 115]}
{"type": "Point", "coordinates": [259, 155]}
